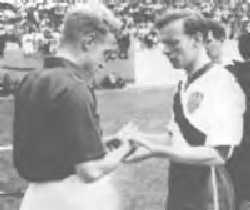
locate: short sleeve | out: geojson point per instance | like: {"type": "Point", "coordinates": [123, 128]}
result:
{"type": "Point", "coordinates": [225, 112]}
{"type": "Point", "coordinates": [82, 125]}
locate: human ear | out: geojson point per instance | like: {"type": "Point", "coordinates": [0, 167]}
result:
{"type": "Point", "coordinates": [84, 47]}
{"type": "Point", "coordinates": [87, 41]}
{"type": "Point", "coordinates": [198, 39]}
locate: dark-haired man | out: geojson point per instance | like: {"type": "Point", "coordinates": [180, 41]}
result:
{"type": "Point", "coordinates": [215, 40]}
{"type": "Point", "coordinates": [208, 119]}
{"type": "Point", "coordinates": [238, 165]}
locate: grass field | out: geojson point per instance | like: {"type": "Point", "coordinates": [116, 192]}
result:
{"type": "Point", "coordinates": [141, 186]}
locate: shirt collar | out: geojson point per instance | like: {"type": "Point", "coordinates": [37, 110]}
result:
{"type": "Point", "coordinates": [198, 74]}
{"type": "Point", "coordinates": [55, 62]}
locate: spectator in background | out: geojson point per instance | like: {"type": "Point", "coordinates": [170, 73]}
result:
{"type": "Point", "coordinates": [155, 38]}
{"type": "Point", "coordinates": [124, 43]}
{"type": "Point", "coordinates": [36, 17]}
{"type": "Point", "coordinates": [231, 24]}
{"type": "Point", "coordinates": [238, 166]}
{"type": "Point", "coordinates": [248, 27]}
{"type": "Point", "coordinates": [47, 34]}
{"type": "Point", "coordinates": [2, 40]}
{"type": "Point", "coordinates": [215, 40]}
{"type": "Point", "coordinates": [244, 46]}
{"type": "Point", "coordinates": [225, 21]}
{"type": "Point", "coordinates": [217, 14]}
{"type": "Point", "coordinates": [45, 22]}
{"type": "Point", "coordinates": [30, 16]}
{"type": "Point", "coordinates": [149, 40]}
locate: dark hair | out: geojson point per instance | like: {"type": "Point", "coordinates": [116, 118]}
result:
{"type": "Point", "coordinates": [216, 28]}
{"type": "Point", "coordinates": [194, 22]}
{"type": "Point", "coordinates": [244, 45]}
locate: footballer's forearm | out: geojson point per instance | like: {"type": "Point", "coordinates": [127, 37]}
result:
{"type": "Point", "coordinates": [189, 155]}
{"type": "Point", "coordinates": [93, 170]}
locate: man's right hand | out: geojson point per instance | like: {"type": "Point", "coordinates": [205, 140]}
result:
{"type": "Point", "coordinates": [96, 169]}
{"type": "Point", "coordinates": [139, 155]}
{"type": "Point", "coordinates": [126, 147]}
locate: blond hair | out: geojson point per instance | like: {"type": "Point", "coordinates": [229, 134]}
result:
{"type": "Point", "coordinates": [88, 19]}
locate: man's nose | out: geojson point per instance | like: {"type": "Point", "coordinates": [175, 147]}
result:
{"type": "Point", "coordinates": [100, 66]}
{"type": "Point", "coordinates": [166, 51]}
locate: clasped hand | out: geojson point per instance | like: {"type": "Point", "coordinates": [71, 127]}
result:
{"type": "Point", "coordinates": [139, 147]}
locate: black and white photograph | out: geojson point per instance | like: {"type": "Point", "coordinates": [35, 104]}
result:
{"type": "Point", "coordinates": [124, 104]}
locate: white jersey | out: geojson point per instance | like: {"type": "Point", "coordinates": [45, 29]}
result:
{"type": "Point", "coordinates": [214, 104]}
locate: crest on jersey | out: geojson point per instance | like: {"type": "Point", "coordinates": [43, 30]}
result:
{"type": "Point", "coordinates": [194, 101]}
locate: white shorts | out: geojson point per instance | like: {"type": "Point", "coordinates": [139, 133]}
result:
{"type": "Point", "coordinates": [71, 194]}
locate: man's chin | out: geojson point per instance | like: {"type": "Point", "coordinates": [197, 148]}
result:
{"type": "Point", "coordinates": [177, 66]}
{"type": "Point", "coordinates": [175, 63]}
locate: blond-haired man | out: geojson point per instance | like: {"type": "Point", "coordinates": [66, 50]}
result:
{"type": "Point", "coordinates": [58, 146]}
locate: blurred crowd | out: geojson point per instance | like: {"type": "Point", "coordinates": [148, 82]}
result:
{"type": "Point", "coordinates": [38, 27]}
{"type": "Point", "coordinates": [138, 18]}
